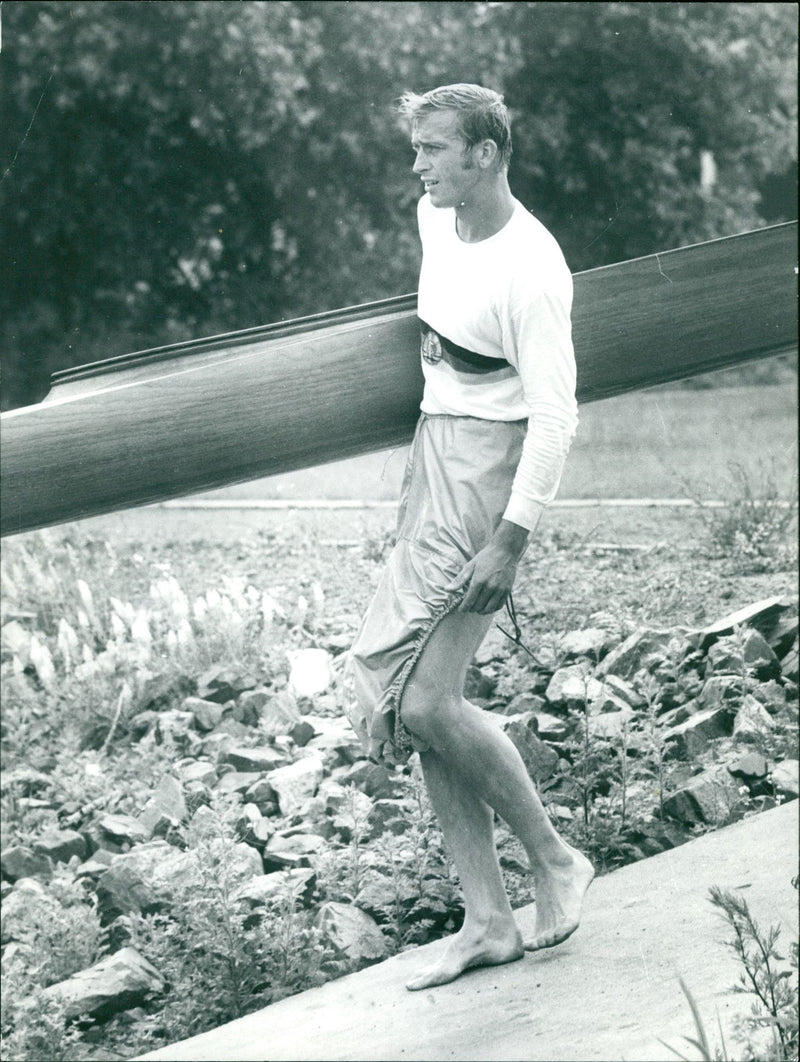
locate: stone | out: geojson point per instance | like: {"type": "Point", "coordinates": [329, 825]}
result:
{"type": "Point", "coordinates": [593, 642]}
{"type": "Point", "coordinates": [550, 727]}
{"type": "Point", "coordinates": [720, 691]}
{"type": "Point", "coordinates": [253, 827]}
{"type": "Point", "coordinates": [752, 765]}
{"type": "Point", "coordinates": [479, 686]}
{"type": "Point", "coordinates": [747, 654]}
{"type": "Point", "coordinates": [149, 877]}
{"type": "Point", "coordinates": [610, 725]}
{"type": "Point", "coordinates": [120, 830]}
{"type": "Point", "coordinates": [272, 888]}
{"type": "Point", "coordinates": [521, 703]}
{"type": "Point", "coordinates": [280, 713]}
{"type": "Point", "coordinates": [710, 798]}
{"type": "Point", "coordinates": [166, 809]}
{"type": "Point", "coordinates": [206, 714]}
{"type": "Point", "coordinates": [283, 852]}
{"type": "Point", "coordinates": [572, 687]}
{"type": "Point", "coordinates": [18, 861]}
{"type": "Point", "coordinates": [495, 646]}
{"type": "Point", "coordinates": [373, 779]}
{"type": "Point", "coordinates": [163, 692]}
{"type": "Point", "coordinates": [771, 694]}
{"type": "Point", "coordinates": [142, 723]}
{"type": "Point", "coordinates": [173, 728]}
{"type": "Point", "coordinates": [96, 865]}
{"type": "Point", "coordinates": [114, 984]}
{"type": "Point", "coordinates": [352, 932]}
{"type": "Point", "coordinates": [638, 651]}
{"type": "Point", "coordinates": [237, 781]}
{"type": "Point", "coordinates": [263, 796]}
{"type": "Point", "coordinates": [222, 684]}
{"type": "Point", "coordinates": [25, 781]}
{"type": "Point", "coordinates": [687, 740]}
{"type": "Point", "coordinates": [789, 663]}
{"type": "Point", "coordinates": [541, 761]}
{"type": "Point", "coordinates": [310, 671]}
{"type": "Point", "coordinates": [250, 706]}
{"type": "Point", "coordinates": [190, 771]}
{"type": "Point", "coordinates": [335, 737]}
{"type": "Point", "coordinates": [61, 845]}
{"type": "Point", "coordinates": [763, 615]}
{"type": "Point", "coordinates": [258, 760]}
{"type": "Point", "coordinates": [27, 905]}
{"type": "Point", "coordinates": [296, 783]}
{"type": "Point", "coordinates": [752, 720]}
{"type": "Point", "coordinates": [786, 778]}
{"type": "Point", "coordinates": [302, 732]}
{"type": "Point", "coordinates": [782, 635]}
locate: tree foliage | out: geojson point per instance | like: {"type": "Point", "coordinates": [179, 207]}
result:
{"type": "Point", "coordinates": [172, 169]}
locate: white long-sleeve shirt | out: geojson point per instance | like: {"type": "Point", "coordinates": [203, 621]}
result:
{"type": "Point", "coordinates": [507, 299]}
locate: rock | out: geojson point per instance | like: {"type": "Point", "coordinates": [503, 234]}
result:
{"type": "Point", "coordinates": [61, 845]}
{"type": "Point", "coordinates": [638, 651]}
{"type": "Point", "coordinates": [752, 720]}
{"type": "Point", "coordinates": [163, 692]}
{"type": "Point", "coordinates": [173, 728]}
{"type": "Point", "coordinates": [622, 692]}
{"type": "Point", "coordinates": [302, 732]}
{"type": "Point", "coordinates": [119, 830]}
{"type": "Point", "coordinates": [782, 635]}
{"type": "Point", "coordinates": [256, 760]}
{"type": "Point", "coordinates": [571, 688]}
{"type": "Point", "coordinates": [689, 739]}
{"type": "Point", "coordinates": [310, 671]}
{"type": "Point", "coordinates": [190, 771]}
{"type": "Point", "coordinates": [786, 779]}
{"type": "Point", "coordinates": [263, 796]}
{"type": "Point", "coordinates": [27, 905]}
{"type": "Point", "coordinates": [550, 727]}
{"type": "Point", "coordinates": [347, 810]}
{"type": "Point", "coordinates": [747, 654]}
{"type": "Point", "coordinates": [25, 781]}
{"type": "Point", "coordinates": [272, 888]}
{"type": "Point", "coordinates": [222, 684]}
{"type": "Point", "coordinates": [253, 828]}
{"type": "Point", "coordinates": [114, 984]}
{"type": "Point", "coordinates": [789, 663]}
{"type": "Point", "coordinates": [153, 874]}
{"type": "Point", "coordinates": [142, 723]}
{"type": "Point", "coordinates": [479, 686]}
{"type": "Point", "coordinates": [166, 808]}
{"type": "Point", "coordinates": [373, 779]}
{"type": "Point", "coordinates": [280, 713]}
{"type": "Point", "coordinates": [335, 737]}
{"type": "Point", "coordinates": [610, 725]}
{"type": "Point", "coordinates": [206, 714]}
{"type": "Point", "coordinates": [593, 642]}
{"type": "Point", "coordinates": [352, 932]}
{"type": "Point", "coordinates": [540, 759]}
{"type": "Point", "coordinates": [763, 615]}
{"type": "Point", "coordinates": [771, 694]}
{"type": "Point", "coordinates": [283, 852]}
{"type": "Point", "coordinates": [18, 861]}
{"type": "Point", "coordinates": [710, 797]}
{"type": "Point", "coordinates": [96, 865]}
{"type": "Point", "coordinates": [296, 783]}
{"type": "Point", "coordinates": [523, 702]}
{"type": "Point", "coordinates": [748, 767]}
{"type": "Point", "coordinates": [251, 705]}
{"type": "Point", "coordinates": [237, 781]}
{"type": "Point", "coordinates": [721, 691]}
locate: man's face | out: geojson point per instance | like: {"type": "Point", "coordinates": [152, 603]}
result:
{"type": "Point", "coordinates": [447, 172]}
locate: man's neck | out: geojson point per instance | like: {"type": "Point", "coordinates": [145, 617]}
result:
{"type": "Point", "coordinates": [485, 214]}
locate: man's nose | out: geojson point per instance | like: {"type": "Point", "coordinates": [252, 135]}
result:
{"type": "Point", "coordinates": [419, 164]}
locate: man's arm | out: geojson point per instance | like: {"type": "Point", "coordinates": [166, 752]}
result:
{"type": "Point", "coordinates": [491, 572]}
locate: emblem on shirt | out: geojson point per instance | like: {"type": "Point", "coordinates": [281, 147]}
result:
{"type": "Point", "coordinates": [431, 347]}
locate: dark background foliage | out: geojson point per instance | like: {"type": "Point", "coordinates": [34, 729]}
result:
{"type": "Point", "coordinates": [182, 168]}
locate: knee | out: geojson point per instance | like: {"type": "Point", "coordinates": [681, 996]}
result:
{"type": "Point", "coordinates": [425, 708]}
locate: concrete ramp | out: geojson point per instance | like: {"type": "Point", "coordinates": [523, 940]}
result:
{"type": "Point", "coordinates": [610, 992]}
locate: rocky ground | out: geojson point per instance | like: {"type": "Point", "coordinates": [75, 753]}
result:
{"type": "Point", "coordinates": [644, 723]}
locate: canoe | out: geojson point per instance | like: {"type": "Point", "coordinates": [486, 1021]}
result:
{"type": "Point", "coordinates": [197, 415]}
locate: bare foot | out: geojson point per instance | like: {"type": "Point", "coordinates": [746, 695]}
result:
{"type": "Point", "coordinates": [559, 897]}
{"type": "Point", "coordinates": [469, 948]}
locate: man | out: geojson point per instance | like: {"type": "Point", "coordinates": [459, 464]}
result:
{"type": "Point", "coordinates": [498, 415]}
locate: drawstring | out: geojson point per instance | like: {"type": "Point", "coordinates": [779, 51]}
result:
{"type": "Point", "coordinates": [516, 637]}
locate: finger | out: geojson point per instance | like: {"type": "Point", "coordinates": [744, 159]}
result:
{"type": "Point", "coordinates": [461, 579]}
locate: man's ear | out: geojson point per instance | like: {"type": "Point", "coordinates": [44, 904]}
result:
{"type": "Point", "coordinates": [486, 154]}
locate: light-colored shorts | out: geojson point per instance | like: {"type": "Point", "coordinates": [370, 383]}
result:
{"type": "Point", "coordinates": [456, 487]}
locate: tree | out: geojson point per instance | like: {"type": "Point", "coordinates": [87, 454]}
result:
{"type": "Point", "coordinates": [179, 168]}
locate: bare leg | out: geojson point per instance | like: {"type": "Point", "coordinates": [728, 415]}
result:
{"type": "Point", "coordinates": [487, 765]}
{"type": "Point", "coordinates": [489, 935]}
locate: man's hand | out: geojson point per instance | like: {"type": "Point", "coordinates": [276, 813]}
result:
{"type": "Point", "coordinates": [489, 576]}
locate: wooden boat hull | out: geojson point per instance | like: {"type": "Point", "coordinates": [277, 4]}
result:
{"type": "Point", "coordinates": [199, 415]}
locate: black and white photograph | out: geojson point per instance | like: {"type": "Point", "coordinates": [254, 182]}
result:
{"type": "Point", "coordinates": [399, 495]}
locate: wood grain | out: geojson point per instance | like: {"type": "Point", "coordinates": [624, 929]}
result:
{"type": "Point", "coordinates": [203, 414]}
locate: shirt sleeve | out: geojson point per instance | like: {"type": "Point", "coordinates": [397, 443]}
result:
{"type": "Point", "coordinates": [542, 338]}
